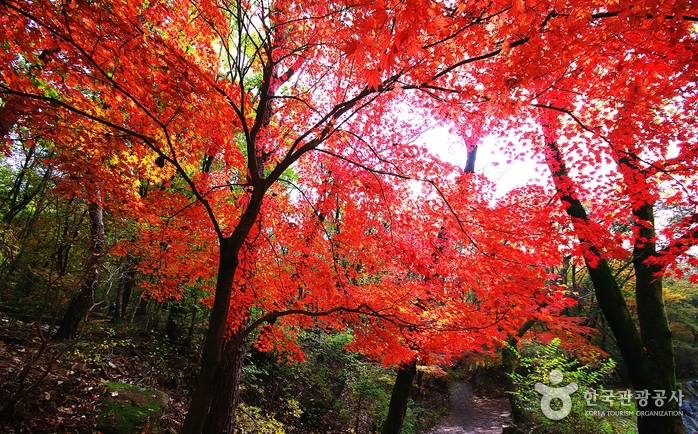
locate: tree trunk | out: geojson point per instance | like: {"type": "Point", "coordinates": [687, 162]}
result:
{"type": "Point", "coordinates": [654, 323]}
{"type": "Point", "coordinates": [173, 328]}
{"type": "Point", "coordinates": [211, 356]}
{"type": "Point", "coordinates": [126, 282]}
{"type": "Point", "coordinates": [212, 353]}
{"type": "Point", "coordinates": [648, 355]}
{"type": "Point", "coordinates": [81, 304]}
{"type": "Point", "coordinates": [136, 307]}
{"type": "Point", "coordinates": [470, 160]}
{"type": "Point", "coordinates": [399, 398]}
{"type": "Point", "coordinates": [221, 417]}
{"type": "Point", "coordinates": [509, 364]}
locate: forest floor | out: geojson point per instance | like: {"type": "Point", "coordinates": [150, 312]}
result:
{"type": "Point", "coordinates": [473, 415]}
{"type": "Point", "coordinates": [67, 399]}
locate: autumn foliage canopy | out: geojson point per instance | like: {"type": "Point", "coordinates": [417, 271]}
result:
{"type": "Point", "coordinates": [266, 151]}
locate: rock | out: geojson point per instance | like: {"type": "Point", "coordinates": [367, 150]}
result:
{"type": "Point", "coordinates": [511, 429]}
{"type": "Point", "coordinates": [129, 409]}
{"type": "Point", "coordinates": [689, 406]}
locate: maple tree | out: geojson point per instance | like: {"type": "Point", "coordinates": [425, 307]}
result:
{"type": "Point", "coordinates": [230, 138]}
{"type": "Point", "coordinates": [618, 138]}
{"type": "Point", "coordinates": [277, 132]}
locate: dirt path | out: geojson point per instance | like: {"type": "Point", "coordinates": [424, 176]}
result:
{"type": "Point", "coordinates": [472, 415]}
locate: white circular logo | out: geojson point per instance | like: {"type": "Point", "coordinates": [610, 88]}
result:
{"type": "Point", "coordinates": [562, 393]}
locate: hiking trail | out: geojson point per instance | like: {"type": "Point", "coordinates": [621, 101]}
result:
{"type": "Point", "coordinates": [473, 415]}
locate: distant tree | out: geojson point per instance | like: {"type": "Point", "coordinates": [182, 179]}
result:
{"type": "Point", "coordinates": [83, 302]}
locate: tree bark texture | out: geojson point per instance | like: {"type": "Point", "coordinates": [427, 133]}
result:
{"type": "Point", "coordinates": [212, 354]}
{"type": "Point", "coordinates": [127, 281]}
{"type": "Point", "coordinates": [649, 354]}
{"type": "Point", "coordinates": [400, 398]}
{"type": "Point", "coordinates": [221, 417]}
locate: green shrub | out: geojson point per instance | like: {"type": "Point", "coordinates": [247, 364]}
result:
{"type": "Point", "coordinates": [537, 362]}
{"type": "Point", "coordinates": [336, 390]}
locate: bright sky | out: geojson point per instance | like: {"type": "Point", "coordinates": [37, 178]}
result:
{"type": "Point", "coordinates": [491, 159]}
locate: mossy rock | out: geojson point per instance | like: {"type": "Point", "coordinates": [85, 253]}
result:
{"type": "Point", "coordinates": [129, 409]}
